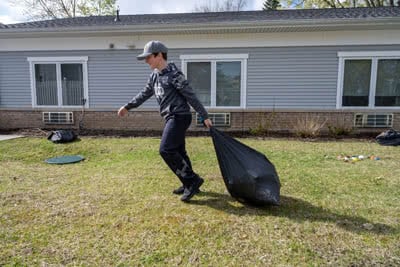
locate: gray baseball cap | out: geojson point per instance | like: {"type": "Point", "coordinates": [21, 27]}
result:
{"type": "Point", "coordinates": [152, 47]}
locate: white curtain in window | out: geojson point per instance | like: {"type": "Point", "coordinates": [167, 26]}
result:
{"type": "Point", "coordinates": [72, 84]}
{"type": "Point", "coordinates": [46, 84]}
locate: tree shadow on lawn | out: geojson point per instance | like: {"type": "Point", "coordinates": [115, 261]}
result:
{"type": "Point", "coordinates": [294, 209]}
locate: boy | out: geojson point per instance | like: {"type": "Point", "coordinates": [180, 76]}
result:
{"type": "Point", "coordinates": [174, 95]}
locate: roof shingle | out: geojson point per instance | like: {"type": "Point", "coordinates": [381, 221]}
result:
{"type": "Point", "coordinates": [215, 17]}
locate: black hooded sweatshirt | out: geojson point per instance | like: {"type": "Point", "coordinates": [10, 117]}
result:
{"type": "Point", "coordinates": [172, 91]}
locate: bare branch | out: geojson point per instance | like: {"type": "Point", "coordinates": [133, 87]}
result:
{"type": "Point", "coordinates": [48, 11]}
{"type": "Point", "coordinates": [65, 9]}
{"type": "Point", "coordinates": [339, 3]}
{"type": "Point", "coordinates": [227, 5]}
{"type": "Point", "coordinates": [73, 3]}
{"type": "Point", "coordinates": [329, 3]}
{"type": "Point", "coordinates": [45, 9]}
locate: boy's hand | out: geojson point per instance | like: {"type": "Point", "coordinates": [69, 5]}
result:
{"type": "Point", "coordinates": [208, 123]}
{"type": "Point", "coordinates": [122, 112]}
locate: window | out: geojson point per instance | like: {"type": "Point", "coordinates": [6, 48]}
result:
{"type": "Point", "coordinates": [199, 77]}
{"type": "Point", "coordinates": [59, 82]}
{"type": "Point", "coordinates": [369, 79]}
{"type": "Point", "coordinates": [356, 82]}
{"type": "Point", "coordinates": [218, 80]}
{"type": "Point", "coordinates": [388, 83]}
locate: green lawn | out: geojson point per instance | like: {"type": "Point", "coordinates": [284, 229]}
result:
{"type": "Point", "coordinates": [116, 208]}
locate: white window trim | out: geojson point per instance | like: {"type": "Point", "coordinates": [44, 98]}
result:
{"type": "Point", "coordinates": [369, 54]}
{"type": "Point", "coordinates": [58, 61]}
{"type": "Point", "coordinates": [213, 59]}
{"type": "Point", "coordinates": [374, 56]}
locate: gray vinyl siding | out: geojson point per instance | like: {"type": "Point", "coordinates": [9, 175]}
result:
{"type": "Point", "coordinates": [280, 77]}
{"type": "Point", "coordinates": [113, 77]}
{"type": "Point", "coordinates": [292, 78]}
{"type": "Point", "coordinates": [15, 85]}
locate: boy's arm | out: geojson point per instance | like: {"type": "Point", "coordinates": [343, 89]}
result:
{"type": "Point", "coordinates": [182, 85]}
{"type": "Point", "coordinates": [141, 97]}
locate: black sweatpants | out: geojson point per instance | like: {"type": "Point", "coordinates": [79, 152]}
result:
{"type": "Point", "coordinates": [172, 148]}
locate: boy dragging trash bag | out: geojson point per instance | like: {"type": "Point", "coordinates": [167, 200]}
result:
{"type": "Point", "coordinates": [174, 95]}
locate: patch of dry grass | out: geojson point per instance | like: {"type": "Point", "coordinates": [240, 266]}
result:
{"type": "Point", "coordinates": [116, 207]}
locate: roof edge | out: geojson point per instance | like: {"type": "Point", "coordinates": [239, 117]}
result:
{"type": "Point", "coordinates": [283, 25]}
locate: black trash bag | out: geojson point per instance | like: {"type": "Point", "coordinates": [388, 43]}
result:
{"type": "Point", "coordinates": [389, 138]}
{"type": "Point", "coordinates": [62, 136]}
{"type": "Point", "coordinates": [248, 175]}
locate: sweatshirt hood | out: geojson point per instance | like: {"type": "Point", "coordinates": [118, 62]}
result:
{"type": "Point", "coordinates": [171, 67]}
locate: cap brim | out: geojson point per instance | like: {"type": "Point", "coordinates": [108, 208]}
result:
{"type": "Point", "coordinates": [143, 56]}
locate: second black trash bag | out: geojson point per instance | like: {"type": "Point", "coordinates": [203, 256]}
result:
{"type": "Point", "coordinates": [390, 137]}
{"type": "Point", "coordinates": [62, 136]}
{"type": "Point", "coordinates": [248, 175]}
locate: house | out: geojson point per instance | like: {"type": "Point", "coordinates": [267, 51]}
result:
{"type": "Point", "coordinates": [268, 69]}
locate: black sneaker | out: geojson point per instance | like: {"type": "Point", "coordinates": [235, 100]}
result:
{"type": "Point", "coordinates": [192, 190]}
{"type": "Point", "coordinates": [180, 190]}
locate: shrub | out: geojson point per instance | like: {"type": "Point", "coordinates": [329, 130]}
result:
{"type": "Point", "coordinates": [264, 125]}
{"type": "Point", "coordinates": [339, 130]}
{"type": "Point", "coordinates": [308, 126]}
{"type": "Point", "coordinates": [340, 127]}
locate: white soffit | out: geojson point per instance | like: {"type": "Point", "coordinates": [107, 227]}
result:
{"type": "Point", "coordinates": [283, 39]}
